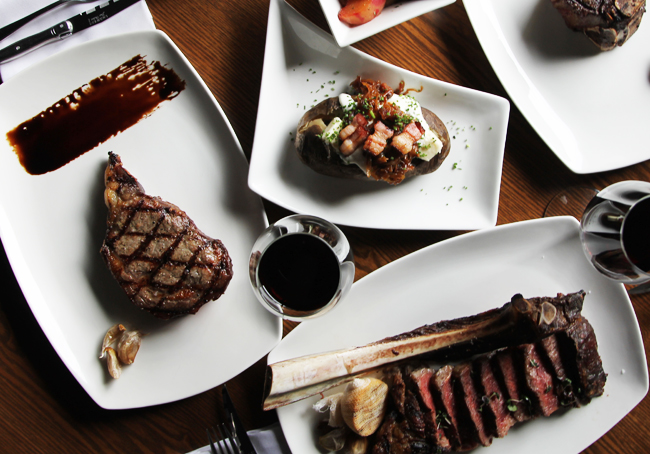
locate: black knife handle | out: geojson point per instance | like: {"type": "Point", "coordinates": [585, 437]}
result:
{"type": "Point", "coordinates": [59, 31]}
{"type": "Point", "coordinates": [9, 29]}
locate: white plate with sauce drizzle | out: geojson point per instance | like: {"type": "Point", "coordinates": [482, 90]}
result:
{"type": "Point", "coordinates": [185, 152]}
{"type": "Point", "coordinates": [535, 258]}
{"type": "Point", "coordinates": [303, 66]}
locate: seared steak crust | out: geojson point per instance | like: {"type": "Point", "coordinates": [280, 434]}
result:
{"type": "Point", "coordinates": [164, 263]}
{"type": "Point", "coordinates": [607, 23]}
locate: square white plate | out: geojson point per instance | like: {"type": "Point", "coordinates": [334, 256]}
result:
{"type": "Point", "coordinates": [53, 225]}
{"type": "Point", "coordinates": [303, 66]}
{"type": "Point", "coordinates": [590, 107]}
{"type": "Point", "coordinates": [389, 17]}
{"type": "Point", "coordinates": [470, 274]}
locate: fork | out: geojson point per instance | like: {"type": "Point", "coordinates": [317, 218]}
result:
{"type": "Point", "coordinates": [221, 434]}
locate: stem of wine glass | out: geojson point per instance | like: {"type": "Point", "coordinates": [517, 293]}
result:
{"type": "Point", "coordinates": [570, 202]}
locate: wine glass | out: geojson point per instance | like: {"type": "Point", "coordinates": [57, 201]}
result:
{"type": "Point", "coordinates": [615, 231]}
{"type": "Point", "coordinates": [300, 267]}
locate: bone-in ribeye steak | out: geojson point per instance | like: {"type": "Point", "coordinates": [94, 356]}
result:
{"type": "Point", "coordinates": [458, 408]}
{"type": "Point", "coordinates": [164, 263]}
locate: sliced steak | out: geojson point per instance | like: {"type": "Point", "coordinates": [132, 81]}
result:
{"type": "Point", "coordinates": [446, 414]}
{"type": "Point", "coordinates": [419, 380]}
{"type": "Point", "coordinates": [538, 380]}
{"type": "Point", "coordinates": [581, 355]}
{"type": "Point", "coordinates": [504, 363]}
{"type": "Point", "coordinates": [493, 397]}
{"type": "Point", "coordinates": [164, 263]}
{"type": "Point", "coordinates": [550, 350]}
{"type": "Point", "coordinates": [607, 23]}
{"type": "Point", "coordinates": [469, 405]}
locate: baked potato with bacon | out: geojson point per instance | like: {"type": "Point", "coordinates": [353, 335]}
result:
{"type": "Point", "coordinates": [376, 132]}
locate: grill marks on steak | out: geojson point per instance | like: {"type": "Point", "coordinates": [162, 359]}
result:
{"type": "Point", "coordinates": [476, 400]}
{"type": "Point", "coordinates": [607, 23]}
{"type": "Point", "coordinates": [164, 263]}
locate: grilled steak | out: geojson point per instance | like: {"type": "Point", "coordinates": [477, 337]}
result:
{"type": "Point", "coordinates": [164, 263]}
{"type": "Point", "coordinates": [607, 23]}
{"type": "Point", "coordinates": [482, 398]}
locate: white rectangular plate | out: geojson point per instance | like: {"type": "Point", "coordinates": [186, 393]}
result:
{"type": "Point", "coordinates": [391, 16]}
{"type": "Point", "coordinates": [303, 66]}
{"type": "Point", "coordinates": [470, 274]}
{"type": "Point", "coordinates": [53, 225]}
{"type": "Point", "coordinates": [590, 107]}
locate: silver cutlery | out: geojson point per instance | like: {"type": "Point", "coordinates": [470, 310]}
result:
{"type": "Point", "coordinates": [66, 28]}
{"type": "Point", "coordinates": [233, 418]}
{"type": "Point", "coordinates": [224, 442]}
{"type": "Point", "coordinates": [9, 29]}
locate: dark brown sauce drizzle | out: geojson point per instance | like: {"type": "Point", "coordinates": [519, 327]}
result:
{"type": "Point", "coordinates": [92, 114]}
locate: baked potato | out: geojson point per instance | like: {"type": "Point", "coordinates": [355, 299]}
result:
{"type": "Point", "coordinates": [385, 142]}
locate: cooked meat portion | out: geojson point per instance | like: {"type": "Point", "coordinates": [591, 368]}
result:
{"type": "Point", "coordinates": [482, 398]}
{"type": "Point", "coordinates": [164, 263]}
{"type": "Point", "coordinates": [608, 23]}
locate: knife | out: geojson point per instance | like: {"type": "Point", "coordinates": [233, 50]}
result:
{"type": "Point", "coordinates": [66, 28]}
{"type": "Point", "coordinates": [233, 418]}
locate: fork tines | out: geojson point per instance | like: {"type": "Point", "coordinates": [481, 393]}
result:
{"type": "Point", "coordinates": [225, 442]}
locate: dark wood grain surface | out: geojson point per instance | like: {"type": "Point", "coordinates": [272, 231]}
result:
{"type": "Point", "coordinates": [42, 407]}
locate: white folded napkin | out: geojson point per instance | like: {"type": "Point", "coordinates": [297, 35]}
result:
{"type": "Point", "coordinates": [269, 440]}
{"type": "Point", "coordinates": [135, 17]}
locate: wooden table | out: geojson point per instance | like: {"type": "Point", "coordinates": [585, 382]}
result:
{"type": "Point", "coordinates": [44, 409]}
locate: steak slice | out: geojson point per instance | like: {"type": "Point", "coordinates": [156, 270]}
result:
{"type": "Point", "coordinates": [419, 381]}
{"type": "Point", "coordinates": [538, 380]}
{"type": "Point", "coordinates": [493, 400]}
{"type": "Point", "coordinates": [447, 415]}
{"type": "Point", "coordinates": [164, 263]}
{"type": "Point", "coordinates": [469, 406]}
{"type": "Point", "coordinates": [582, 356]}
{"type": "Point", "coordinates": [516, 400]}
{"type": "Point", "coordinates": [607, 23]}
{"type": "Point", "coordinates": [550, 349]}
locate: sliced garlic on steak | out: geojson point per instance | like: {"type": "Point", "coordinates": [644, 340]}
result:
{"type": "Point", "coordinates": [363, 405]}
{"type": "Point", "coordinates": [110, 337]}
{"type": "Point", "coordinates": [113, 363]}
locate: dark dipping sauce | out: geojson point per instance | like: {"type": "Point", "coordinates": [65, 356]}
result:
{"type": "Point", "coordinates": [92, 114]}
{"type": "Point", "coordinates": [300, 271]}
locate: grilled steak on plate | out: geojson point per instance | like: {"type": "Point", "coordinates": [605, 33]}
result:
{"type": "Point", "coordinates": [164, 263]}
{"type": "Point", "coordinates": [608, 23]}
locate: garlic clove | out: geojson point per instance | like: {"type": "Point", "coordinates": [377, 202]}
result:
{"type": "Point", "coordinates": [363, 405]}
{"type": "Point", "coordinates": [355, 444]}
{"type": "Point", "coordinates": [333, 440]}
{"type": "Point", "coordinates": [128, 346]}
{"type": "Point", "coordinates": [114, 367]}
{"type": "Point", "coordinates": [331, 405]}
{"type": "Point", "coordinates": [548, 313]}
{"type": "Point", "coordinates": [110, 336]}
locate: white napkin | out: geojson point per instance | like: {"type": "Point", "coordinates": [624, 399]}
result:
{"type": "Point", "coordinates": [135, 17]}
{"type": "Point", "coordinates": [269, 440]}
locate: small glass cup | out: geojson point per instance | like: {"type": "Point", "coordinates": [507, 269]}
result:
{"type": "Point", "coordinates": [300, 267]}
{"type": "Point", "coordinates": [615, 232]}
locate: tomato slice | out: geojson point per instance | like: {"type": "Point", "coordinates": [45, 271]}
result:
{"type": "Point", "coordinates": [357, 12]}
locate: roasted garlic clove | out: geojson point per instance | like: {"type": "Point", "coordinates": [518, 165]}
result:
{"type": "Point", "coordinates": [363, 405]}
{"type": "Point", "coordinates": [355, 444]}
{"type": "Point", "coordinates": [331, 405]}
{"type": "Point", "coordinates": [110, 336]}
{"type": "Point", "coordinates": [114, 367]}
{"type": "Point", "coordinates": [333, 440]}
{"type": "Point", "coordinates": [128, 346]}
